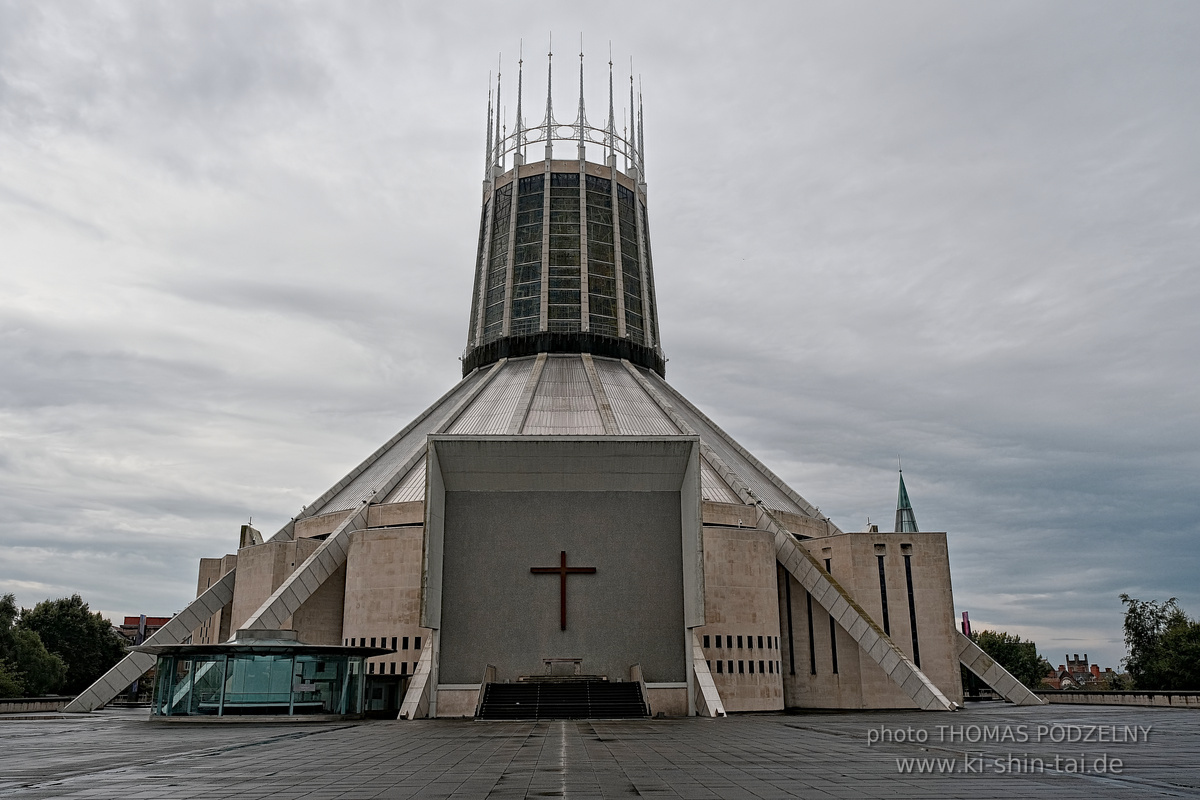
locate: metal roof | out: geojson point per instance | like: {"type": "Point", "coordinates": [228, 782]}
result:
{"type": "Point", "coordinates": [555, 395]}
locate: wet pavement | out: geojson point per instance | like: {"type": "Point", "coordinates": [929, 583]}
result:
{"type": "Point", "coordinates": [986, 751]}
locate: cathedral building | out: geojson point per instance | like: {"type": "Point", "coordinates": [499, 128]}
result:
{"type": "Point", "coordinates": [563, 533]}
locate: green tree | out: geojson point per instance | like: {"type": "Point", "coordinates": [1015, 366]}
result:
{"type": "Point", "coordinates": [26, 667]}
{"type": "Point", "coordinates": [85, 641]}
{"type": "Point", "coordinates": [11, 684]}
{"type": "Point", "coordinates": [1163, 644]}
{"type": "Point", "coordinates": [1019, 657]}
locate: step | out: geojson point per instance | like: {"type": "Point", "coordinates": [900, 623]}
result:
{"type": "Point", "coordinates": [572, 699]}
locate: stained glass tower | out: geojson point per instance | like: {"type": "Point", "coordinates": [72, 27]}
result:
{"type": "Point", "coordinates": [563, 262]}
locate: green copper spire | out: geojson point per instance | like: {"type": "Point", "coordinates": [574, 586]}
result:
{"type": "Point", "coordinates": [906, 520]}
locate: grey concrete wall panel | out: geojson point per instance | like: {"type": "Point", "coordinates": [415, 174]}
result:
{"type": "Point", "coordinates": [135, 664]}
{"type": "Point", "coordinates": [498, 506]}
{"type": "Point", "coordinates": [984, 667]}
{"type": "Point", "coordinates": [630, 611]}
{"type": "Point", "coordinates": [434, 531]}
{"type": "Point", "coordinates": [693, 546]}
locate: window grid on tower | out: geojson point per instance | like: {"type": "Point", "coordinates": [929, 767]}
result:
{"type": "Point", "coordinates": [602, 276]}
{"type": "Point", "coordinates": [527, 256]}
{"type": "Point", "coordinates": [564, 259]}
{"type": "Point", "coordinates": [631, 272]}
{"type": "Point", "coordinates": [493, 313]}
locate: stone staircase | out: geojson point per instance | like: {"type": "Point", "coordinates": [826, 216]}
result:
{"type": "Point", "coordinates": [563, 698]}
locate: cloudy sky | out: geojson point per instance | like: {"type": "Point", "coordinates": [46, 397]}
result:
{"type": "Point", "coordinates": [236, 244]}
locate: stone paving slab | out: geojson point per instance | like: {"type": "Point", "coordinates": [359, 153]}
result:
{"type": "Point", "coordinates": [119, 754]}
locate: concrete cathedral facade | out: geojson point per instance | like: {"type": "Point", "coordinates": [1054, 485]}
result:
{"type": "Point", "coordinates": [564, 515]}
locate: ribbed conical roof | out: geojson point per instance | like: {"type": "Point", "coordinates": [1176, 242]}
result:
{"type": "Point", "coordinates": [563, 395]}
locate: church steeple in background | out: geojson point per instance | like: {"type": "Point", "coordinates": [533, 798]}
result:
{"type": "Point", "coordinates": [906, 520]}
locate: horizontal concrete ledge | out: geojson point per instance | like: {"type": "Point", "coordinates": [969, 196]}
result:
{"type": "Point", "coordinates": [254, 719]}
{"type": "Point", "coordinates": [1133, 698]}
{"type": "Point", "coordinates": [32, 705]}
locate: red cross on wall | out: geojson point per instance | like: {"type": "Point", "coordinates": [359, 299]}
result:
{"type": "Point", "coordinates": [562, 570]}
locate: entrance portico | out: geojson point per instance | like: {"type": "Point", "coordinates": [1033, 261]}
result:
{"type": "Point", "coordinates": [623, 516]}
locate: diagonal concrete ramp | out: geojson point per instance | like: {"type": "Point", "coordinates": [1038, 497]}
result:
{"type": "Point", "coordinates": [984, 667]}
{"type": "Point", "coordinates": [135, 665]}
{"type": "Point", "coordinates": [823, 588]}
{"type": "Point", "coordinates": [331, 554]}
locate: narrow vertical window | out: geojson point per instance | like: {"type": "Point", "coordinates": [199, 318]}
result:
{"type": "Point", "coordinates": [912, 606]}
{"type": "Point", "coordinates": [832, 622]}
{"type": "Point", "coordinates": [887, 627]}
{"type": "Point", "coordinates": [787, 588]}
{"type": "Point", "coordinates": [416, 643]}
{"type": "Point", "coordinates": [812, 639]}
{"type": "Point", "coordinates": [404, 643]}
{"type": "Point", "coordinates": [706, 640]}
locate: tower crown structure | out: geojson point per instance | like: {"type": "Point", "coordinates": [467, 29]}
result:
{"type": "Point", "coordinates": [563, 261]}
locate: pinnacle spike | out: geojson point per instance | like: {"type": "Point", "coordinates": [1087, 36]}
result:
{"type": "Point", "coordinates": [550, 98]}
{"type": "Point", "coordinates": [487, 156]}
{"type": "Point", "coordinates": [499, 160]}
{"type": "Point", "coordinates": [520, 129]}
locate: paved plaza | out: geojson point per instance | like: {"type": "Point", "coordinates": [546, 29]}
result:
{"type": "Point", "coordinates": [119, 754]}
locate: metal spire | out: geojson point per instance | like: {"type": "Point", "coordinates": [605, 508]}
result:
{"type": "Point", "coordinates": [487, 156]}
{"type": "Point", "coordinates": [499, 161]}
{"type": "Point", "coordinates": [640, 135]}
{"type": "Point", "coordinates": [549, 122]}
{"type": "Point", "coordinates": [582, 121]}
{"type": "Point", "coordinates": [906, 520]}
{"type": "Point", "coordinates": [610, 134]}
{"type": "Point", "coordinates": [519, 158]}
{"type": "Point", "coordinates": [633, 164]}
